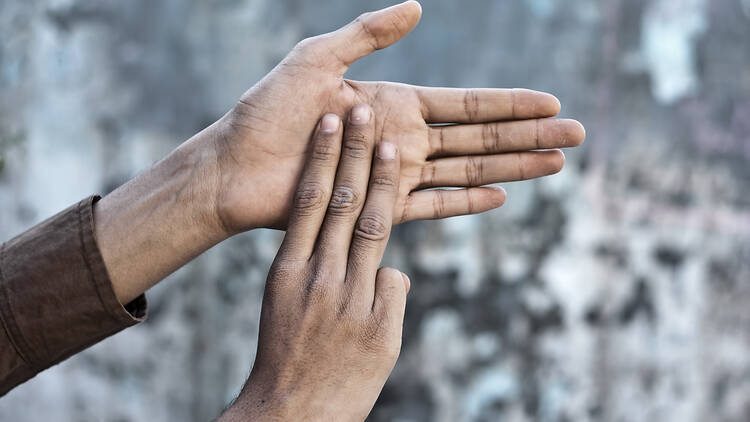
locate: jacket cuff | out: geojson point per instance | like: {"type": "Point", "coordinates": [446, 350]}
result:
{"type": "Point", "coordinates": [56, 297]}
{"type": "Point", "coordinates": [130, 314]}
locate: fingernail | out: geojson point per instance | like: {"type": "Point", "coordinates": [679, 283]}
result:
{"type": "Point", "coordinates": [360, 114]}
{"type": "Point", "coordinates": [498, 188]}
{"type": "Point", "coordinates": [386, 151]}
{"type": "Point", "coordinates": [329, 123]}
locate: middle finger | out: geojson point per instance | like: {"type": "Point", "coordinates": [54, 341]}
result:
{"type": "Point", "coordinates": [350, 187]}
{"type": "Point", "coordinates": [499, 137]}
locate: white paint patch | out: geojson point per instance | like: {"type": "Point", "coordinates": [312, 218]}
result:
{"type": "Point", "coordinates": [670, 29]}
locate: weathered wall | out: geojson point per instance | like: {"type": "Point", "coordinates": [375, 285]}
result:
{"type": "Point", "coordinates": [617, 290]}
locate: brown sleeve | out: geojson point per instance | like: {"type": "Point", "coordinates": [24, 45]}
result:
{"type": "Point", "coordinates": [56, 298]}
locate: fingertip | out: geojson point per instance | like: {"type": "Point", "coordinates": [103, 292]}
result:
{"type": "Point", "coordinates": [329, 123]}
{"type": "Point", "coordinates": [407, 282]}
{"type": "Point", "coordinates": [558, 160]}
{"type": "Point", "coordinates": [361, 114]}
{"type": "Point", "coordinates": [500, 189]}
{"type": "Point", "coordinates": [387, 151]}
{"type": "Point", "coordinates": [528, 103]}
{"type": "Point", "coordinates": [547, 104]}
{"type": "Point", "coordinates": [499, 195]}
{"type": "Point", "coordinates": [573, 132]}
{"type": "Point", "coordinates": [416, 4]}
{"type": "Point", "coordinates": [581, 132]}
{"type": "Point", "coordinates": [388, 30]}
{"type": "Point", "coordinates": [555, 105]}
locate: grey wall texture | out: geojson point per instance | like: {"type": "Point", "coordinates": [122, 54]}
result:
{"type": "Point", "coordinates": [618, 290]}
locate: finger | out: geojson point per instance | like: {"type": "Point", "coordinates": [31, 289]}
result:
{"type": "Point", "coordinates": [373, 226]}
{"type": "Point", "coordinates": [350, 187]}
{"type": "Point", "coordinates": [442, 203]}
{"type": "Point", "coordinates": [479, 105]}
{"type": "Point", "coordinates": [369, 32]}
{"type": "Point", "coordinates": [314, 189]}
{"type": "Point", "coordinates": [407, 283]}
{"type": "Point", "coordinates": [391, 288]}
{"type": "Point", "coordinates": [497, 137]}
{"type": "Point", "coordinates": [478, 170]}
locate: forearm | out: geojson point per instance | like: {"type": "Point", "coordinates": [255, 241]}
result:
{"type": "Point", "coordinates": [160, 220]}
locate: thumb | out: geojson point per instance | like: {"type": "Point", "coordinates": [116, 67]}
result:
{"type": "Point", "coordinates": [369, 32]}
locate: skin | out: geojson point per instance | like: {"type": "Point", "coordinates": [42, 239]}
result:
{"type": "Point", "coordinates": [240, 173]}
{"type": "Point", "coordinates": [331, 321]}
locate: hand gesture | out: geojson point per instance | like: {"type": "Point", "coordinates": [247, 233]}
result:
{"type": "Point", "coordinates": [494, 137]}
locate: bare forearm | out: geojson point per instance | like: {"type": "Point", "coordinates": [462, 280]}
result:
{"type": "Point", "coordinates": [160, 220]}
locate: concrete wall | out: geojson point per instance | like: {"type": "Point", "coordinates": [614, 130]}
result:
{"type": "Point", "coordinates": [617, 290]}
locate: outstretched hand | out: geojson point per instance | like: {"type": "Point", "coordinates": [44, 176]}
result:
{"type": "Point", "coordinates": [495, 137]}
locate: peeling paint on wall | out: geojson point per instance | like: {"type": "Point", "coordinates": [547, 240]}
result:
{"type": "Point", "coordinates": [670, 31]}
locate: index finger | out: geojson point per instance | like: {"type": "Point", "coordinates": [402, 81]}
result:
{"type": "Point", "coordinates": [480, 105]}
{"type": "Point", "coordinates": [314, 189]}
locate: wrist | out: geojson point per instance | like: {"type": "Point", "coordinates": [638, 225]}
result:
{"type": "Point", "coordinates": [251, 189]}
{"type": "Point", "coordinates": [195, 165]}
{"type": "Point", "coordinates": [158, 221]}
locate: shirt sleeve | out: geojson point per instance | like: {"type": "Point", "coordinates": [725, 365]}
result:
{"type": "Point", "coordinates": [56, 297]}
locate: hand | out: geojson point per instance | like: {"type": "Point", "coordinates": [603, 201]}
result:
{"type": "Point", "coordinates": [261, 142]}
{"type": "Point", "coordinates": [331, 321]}
{"type": "Point", "coordinates": [240, 172]}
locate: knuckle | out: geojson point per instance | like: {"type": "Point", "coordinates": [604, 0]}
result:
{"type": "Point", "coordinates": [371, 226]}
{"type": "Point", "coordinates": [384, 181]}
{"type": "Point", "coordinates": [324, 149]}
{"type": "Point", "coordinates": [492, 138]}
{"type": "Point", "coordinates": [471, 104]}
{"type": "Point", "coordinates": [362, 18]}
{"type": "Point", "coordinates": [309, 197]}
{"type": "Point", "coordinates": [282, 274]}
{"type": "Point", "coordinates": [344, 200]}
{"type": "Point", "coordinates": [282, 268]}
{"type": "Point", "coordinates": [316, 292]}
{"type": "Point", "coordinates": [470, 202]}
{"type": "Point", "coordinates": [307, 44]}
{"type": "Point", "coordinates": [365, 24]}
{"type": "Point", "coordinates": [427, 174]}
{"type": "Point", "coordinates": [349, 310]}
{"type": "Point", "coordinates": [439, 204]}
{"type": "Point", "coordinates": [474, 171]}
{"type": "Point", "coordinates": [318, 286]}
{"type": "Point", "coordinates": [357, 145]}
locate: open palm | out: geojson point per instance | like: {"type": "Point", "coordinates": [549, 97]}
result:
{"type": "Point", "coordinates": [447, 137]}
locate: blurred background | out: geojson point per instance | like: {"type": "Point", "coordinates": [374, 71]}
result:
{"type": "Point", "coordinates": [617, 290]}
